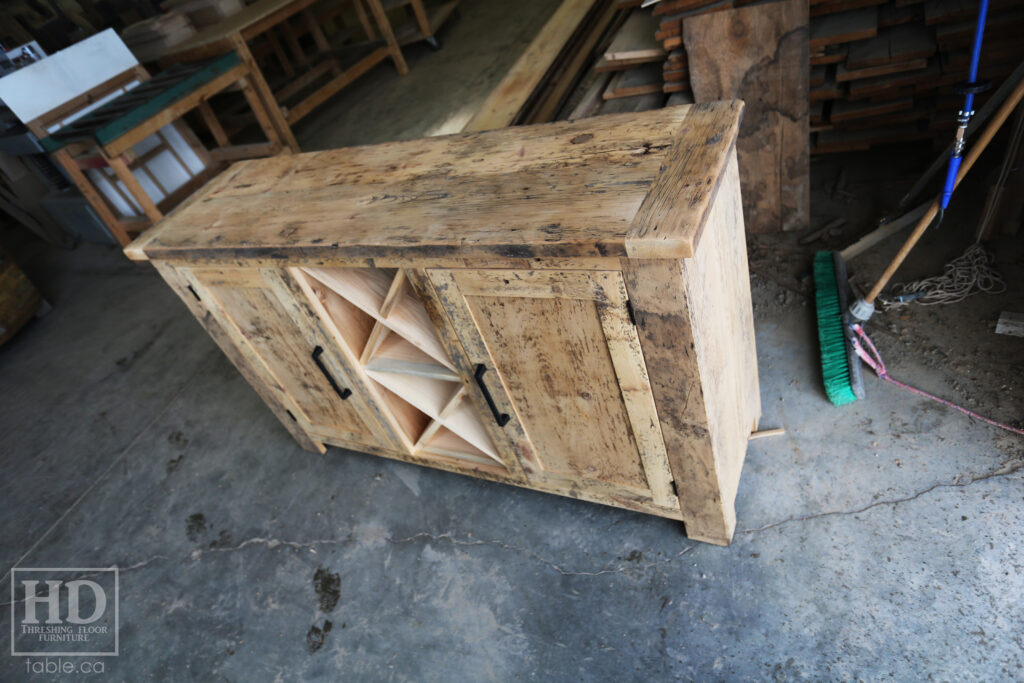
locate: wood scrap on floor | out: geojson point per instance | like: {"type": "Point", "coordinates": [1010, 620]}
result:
{"type": "Point", "coordinates": [19, 298]}
{"type": "Point", "coordinates": [759, 54]}
{"type": "Point", "coordinates": [1010, 323]}
{"type": "Point", "coordinates": [779, 431]}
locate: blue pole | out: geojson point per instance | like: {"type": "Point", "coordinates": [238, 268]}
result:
{"type": "Point", "coordinates": [964, 117]}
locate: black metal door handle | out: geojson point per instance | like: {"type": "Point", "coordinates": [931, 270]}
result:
{"type": "Point", "coordinates": [501, 418]}
{"type": "Point", "coordinates": [342, 393]}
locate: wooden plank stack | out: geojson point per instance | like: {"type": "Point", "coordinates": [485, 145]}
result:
{"type": "Point", "coordinates": [634, 57]}
{"type": "Point", "coordinates": [881, 71]}
{"type": "Point", "coordinates": [670, 15]}
{"type": "Point", "coordinates": [628, 72]}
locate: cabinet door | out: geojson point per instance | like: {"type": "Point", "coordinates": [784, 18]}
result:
{"type": "Point", "coordinates": [405, 371]}
{"type": "Point", "coordinates": [558, 355]}
{"type": "Point", "coordinates": [260, 314]}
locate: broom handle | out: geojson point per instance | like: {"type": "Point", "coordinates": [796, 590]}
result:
{"type": "Point", "coordinates": [972, 156]}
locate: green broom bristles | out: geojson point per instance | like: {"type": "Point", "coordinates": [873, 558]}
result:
{"type": "Point", "coordinates": [831, 332]}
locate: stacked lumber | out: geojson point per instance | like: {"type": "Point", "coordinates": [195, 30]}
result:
{"type": "Point", "coordinates": [150, 38]}
{"type": "Point", "coordinates": [671, 14]}
{"type": "Point", "coordinates": [881, 71]}
{"type": "Point", "coordinates": [887, 73]}
{"type": "Point", "coordinates": [635, 58]}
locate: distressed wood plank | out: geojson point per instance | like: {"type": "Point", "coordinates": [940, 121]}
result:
{"type": "Point", "coordinates": [759, 54]}
{"type": "Point", "coordinates": [631, 370]}
{"type": "Point", "coordinates": [503, 104]}
{"type": "Point", "coordinates": [673, 213]}
{"type": "Point", "coordinates": [560, 190]}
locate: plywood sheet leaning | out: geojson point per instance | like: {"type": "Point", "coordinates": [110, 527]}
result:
{"type": "Point", "coordinates": [759, 54]}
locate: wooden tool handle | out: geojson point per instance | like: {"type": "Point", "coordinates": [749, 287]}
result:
{"type": "Point", "coordinates": [972, 156]}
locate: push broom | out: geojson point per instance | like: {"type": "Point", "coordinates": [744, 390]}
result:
{"type": "Point", "coordinates": [837, 324]}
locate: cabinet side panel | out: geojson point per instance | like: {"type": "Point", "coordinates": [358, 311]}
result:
{"type": "Point", "coordinates": [717, 280]}
{"type": "Point", "coordinates": [659, 298]}
{"type": "Point", "coordinates": [223, 339]}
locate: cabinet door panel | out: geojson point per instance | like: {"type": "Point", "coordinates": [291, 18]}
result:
{"type": "Point", "coordinates": [568, 364]}
{"type": "Point", "coordinates": [240, 354]}
{"type": "Point", "coordinates": [251, 302]}
{"type": "Point", "coordinates": [551, 357]}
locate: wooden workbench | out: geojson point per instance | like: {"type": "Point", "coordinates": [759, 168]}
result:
{"type": "Point", "coordinates": [564, 307]}
{"type": "Point", "coordinates": [237, 31]}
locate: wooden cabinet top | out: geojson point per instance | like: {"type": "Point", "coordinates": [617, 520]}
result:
{"type": "Point", "coordinates": [629, 185]}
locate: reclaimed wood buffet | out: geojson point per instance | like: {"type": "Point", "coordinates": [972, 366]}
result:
{"type": "Point", "coordinates": [564, 307]}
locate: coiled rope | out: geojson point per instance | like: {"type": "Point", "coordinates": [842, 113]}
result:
{"type": "Point", "coordinates": [972, 273]}
{"type": "Point", "coordinates": [969, 274]}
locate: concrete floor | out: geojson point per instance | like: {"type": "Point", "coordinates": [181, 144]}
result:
{"type": "Point", "coordinates": [880, 541]}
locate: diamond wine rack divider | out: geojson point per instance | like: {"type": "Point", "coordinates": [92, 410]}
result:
{"type": "Point", "coordinates": [386, 327]}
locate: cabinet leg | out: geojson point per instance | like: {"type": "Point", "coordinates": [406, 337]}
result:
{"type": "Point", "coordinates": [717, 532]}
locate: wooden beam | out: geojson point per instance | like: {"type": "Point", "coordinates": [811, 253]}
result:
{"type": "Point", "coordinates": [92, 195]}
{"type": "Point", "coordinates": [503, 104]}
{"type": "Point", "coordinates": [262, 117]}
{"type": "Point", "coordinates": [384, 26]}
{"type": "Point", "coordinates": [216, 130]}
{"type": "Point", "coordinates": [131, 183]}
{"type": "Point", "coordinates": [271, 105]}
{"type": "Point", "coordinates": [571, 65]}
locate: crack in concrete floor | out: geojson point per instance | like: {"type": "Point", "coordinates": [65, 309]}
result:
{"type": "Point", "coordinates": [961, 482]}
{"type": "Point", "coordinates": [272, 543]}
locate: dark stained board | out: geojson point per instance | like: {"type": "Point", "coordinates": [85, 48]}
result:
{"type": "Point", "coordinates": [844, 27]}
{"type": "Point", "coordinates": [896, 44]}
{"type": "Point", "coordinates": [844, 74]}
{"type": "Point", "coordinates": [844, 111]}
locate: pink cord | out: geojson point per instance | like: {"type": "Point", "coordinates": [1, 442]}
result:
{"type": "Point", "coordinates": [874, 359]}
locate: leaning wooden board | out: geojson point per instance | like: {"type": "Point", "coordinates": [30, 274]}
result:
{"type": "Point", "coordinates": [759, 54]}
{"type": "Point", "coordinates": [564, 307]}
